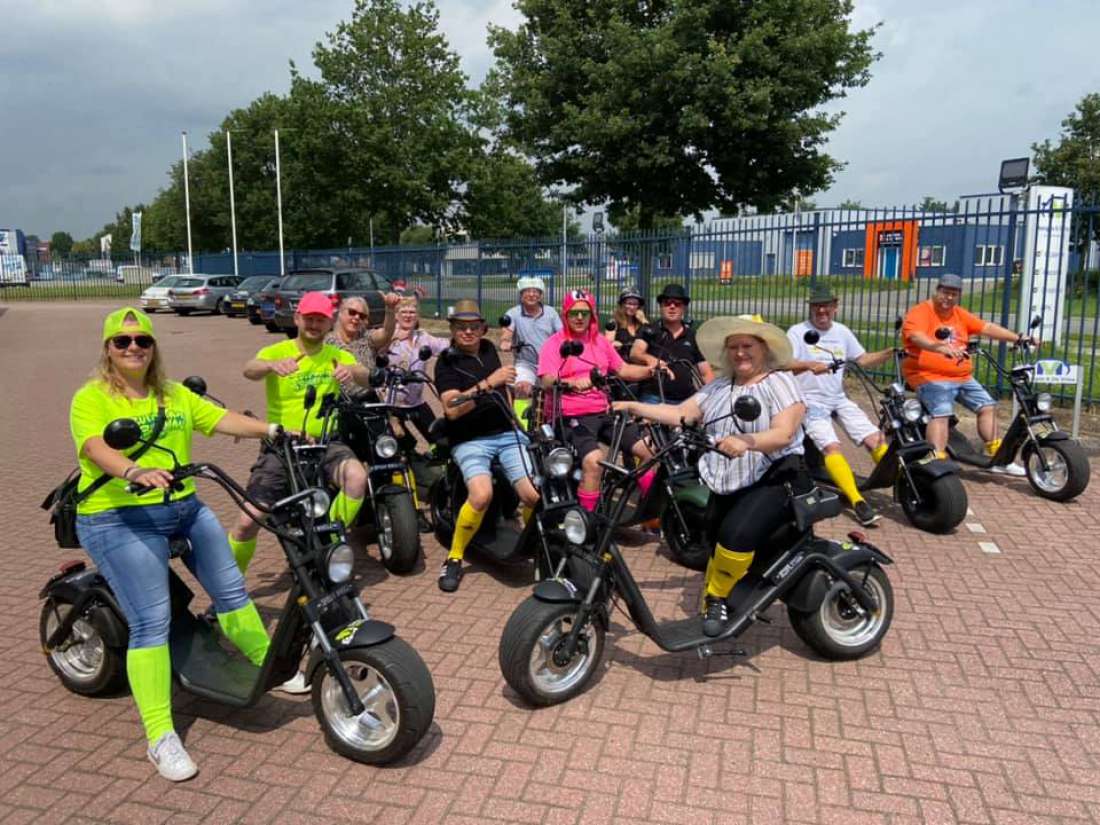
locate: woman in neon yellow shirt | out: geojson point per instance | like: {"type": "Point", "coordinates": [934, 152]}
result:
{"type": "Point", "coordinates": [127, 535]}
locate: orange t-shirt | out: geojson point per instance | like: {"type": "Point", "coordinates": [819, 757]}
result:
{"type": "Point", "coordinates": [921, 365]}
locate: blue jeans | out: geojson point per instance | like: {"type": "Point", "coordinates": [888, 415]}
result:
{"type": "Point", "coordinates": [475, 457]}
{"type": "Point", "coordinates": [129, 545]}
{"type": "Point", "coordinates": [939, 397]}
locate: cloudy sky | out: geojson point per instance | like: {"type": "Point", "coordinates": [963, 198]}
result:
{"type": "Point", "coordinates": [96, 92]}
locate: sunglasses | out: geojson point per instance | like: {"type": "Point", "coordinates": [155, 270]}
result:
{"type": "Point", "coordinates": [579, 313]}
{"type": "Point", "coordinates": [474, 327]}
{"type": "Point", "coordinates": [354, 313]}
{"type": "Point", "coordinates": [672, 302]}
{"type": "Point", "coordinates": [122, 342]}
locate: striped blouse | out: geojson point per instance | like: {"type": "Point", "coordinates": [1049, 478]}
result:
{"type": "Point", "coordinates": [776, 392]}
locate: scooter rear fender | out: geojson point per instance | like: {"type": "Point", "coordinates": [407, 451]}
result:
{"type": "Point", "coordinates": [83, 584]}
{"type": "Point", "coordinates": [807, 595]}
{"type": "Point", "coordinates": [695, 494]}
{"type": "Point", "coordinates": [359, 633]}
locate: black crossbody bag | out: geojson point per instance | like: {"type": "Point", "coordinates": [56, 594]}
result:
{"type": "Point", "coordinates": [64, 498]}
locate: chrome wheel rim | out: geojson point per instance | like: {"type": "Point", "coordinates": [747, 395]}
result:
{"type": "Point", "coordinates": [385, 533]}
{"type": "Point", "coordinates": [82, 656]}
{"type": "Point", "coordinates": [551, 678]}
{"type": "Point", "coordinates": [1052, 480]}
{"type": "Point", "coordinates": [845, 622]}
{"type": "Point", "coordinates": [374, 728]}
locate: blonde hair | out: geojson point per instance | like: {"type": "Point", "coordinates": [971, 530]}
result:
{"type": "Point", "coordinates": [154, 375]}
{"type": "Point", "coordinates": [621, 319]}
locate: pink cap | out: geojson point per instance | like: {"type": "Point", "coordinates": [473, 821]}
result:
{"type": "Point", "coordinates": [315, 303]}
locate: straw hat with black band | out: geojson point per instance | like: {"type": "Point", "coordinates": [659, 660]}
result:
{"type": "Point", "coordinates": [713, 334]}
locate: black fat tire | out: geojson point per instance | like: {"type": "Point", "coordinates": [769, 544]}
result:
{"type": "Point", "coordinates": [440, 506]}
{"type": "Point", "coordinates": [405, 548]}
{"type": "Point", "coordinates": [943, 502]}
{"type": "Point", "coordinates": [401, 666]}
{"type": "Point", "coordinates": [1077, 468]}
{"type": "Point", "coordinates": [812, 628]}
{"type": "Point", "coordinates": [252, 319]}
{"type": "Point", "coordinates": [696, 553]}
{"type": "Point", "coordinates": [109, 678]}
{"type": "Point", "coordinates": [519, 639]}
{"type": "Point", "coordinates": [271, 326]}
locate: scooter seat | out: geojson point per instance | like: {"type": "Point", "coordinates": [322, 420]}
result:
{"type": "Point", "coordinates": [437, 434]}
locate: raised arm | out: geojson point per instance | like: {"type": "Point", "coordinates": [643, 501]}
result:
{"type": "Point", "coordinates": [671, 415]}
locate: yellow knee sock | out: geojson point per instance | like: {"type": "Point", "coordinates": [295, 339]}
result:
{"type": "Point", "coordinates": [991, 447]}
{"type": "Point", "coordinates": [245, 629]}
{"type": "Point", "coordinates": [243, 550]}
{"type": "Point", "coordinates": [525, 513]}
{"type": "Point", "coordinates": [466, 525]}
{"type": "Point", "coordinates": [878, 452]}
{"type": "Point", "coordinates": [520, 406]}
{"type": "Point", "coordinates": [345, 508]}
{"type": "Point", "coordinates": [726, 568]}
{"type": "Point", "coordinates": [149, 670]}
{"type": "Point", "coordinates": [841, 474]}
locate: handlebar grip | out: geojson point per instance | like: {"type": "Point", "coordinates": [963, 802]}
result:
{"type": "Point", "coordinates": [139, 489]}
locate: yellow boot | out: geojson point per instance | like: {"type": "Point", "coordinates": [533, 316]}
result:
{"type": "Point", "coordinates": [726, 568]}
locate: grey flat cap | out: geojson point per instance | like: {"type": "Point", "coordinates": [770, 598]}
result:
{"type": "Point", "coordinates": [951, 281]}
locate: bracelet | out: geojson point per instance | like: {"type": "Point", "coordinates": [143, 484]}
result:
{"type": "Point", "coordinates": [272, 430]}
{"type": "Point", "coordinates": [126, 472]}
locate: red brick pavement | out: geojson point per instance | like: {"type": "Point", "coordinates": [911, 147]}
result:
{"type": "Point", "coordinates": [983, 705]}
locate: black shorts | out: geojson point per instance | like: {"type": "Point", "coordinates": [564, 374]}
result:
{"type": "Point", "coordinates": [749, 518]}
{"type": "Point", "coordinates": [268, 481]}
{"type": "Point", "coordinates": [587, 432]}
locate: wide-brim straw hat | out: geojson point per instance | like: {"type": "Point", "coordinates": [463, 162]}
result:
{"type": "Point", "coordinates": [712, 336]}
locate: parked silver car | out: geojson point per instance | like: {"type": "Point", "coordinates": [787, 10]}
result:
{"type": "Point", "coordinates": [156, 296]}
{"type": "Point", "coordinates": [200, 293]}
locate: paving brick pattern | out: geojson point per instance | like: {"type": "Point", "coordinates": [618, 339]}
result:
{"type": "Point", "coordinates": [983, 705]}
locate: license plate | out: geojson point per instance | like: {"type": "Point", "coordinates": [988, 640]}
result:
{"type": "Point", "coordinates": [237, 304]}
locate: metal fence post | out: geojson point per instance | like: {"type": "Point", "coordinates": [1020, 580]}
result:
{"type": "Point", "coordinates": [1006, 290]}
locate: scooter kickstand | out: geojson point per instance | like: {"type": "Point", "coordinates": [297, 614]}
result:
{"type": "Point", "coordinates": [705, 651]}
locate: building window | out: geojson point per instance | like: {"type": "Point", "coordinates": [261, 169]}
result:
{"type": "Point", "coordinates": [664, 262]}
{"type": "Point", "coordinates": [931, 255]}
{"type": "Point", "coordinates": [989, 255]}
{"type": "Point", "coordinates": [853, 257]}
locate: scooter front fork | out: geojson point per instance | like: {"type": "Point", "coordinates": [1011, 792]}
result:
{"type": "Point", "coordinates": [332, 661]}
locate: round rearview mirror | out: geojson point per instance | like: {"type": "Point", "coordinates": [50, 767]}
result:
{"type": "Point", "coordinates": [747, 408]}
{"type": "Point", "coordinates": [811, 337]}
{"type": "Point", "coordinates": [425, 353]}
{"type": "Point", "coordinates": [897, 323]}
{"type": "Point", "coordinates": [196, 384]}
{"type": "Point", "coordinates": [311, 397]}
{"type": "Point", "coordinates": [505, 321]}
{"type": "Point", "coordinates": [611, 326]}
{"type": "Point", "coordinates": [1038, 319]}
{"type": "Point", "coordinates": [570, 348]}
{"type": "Point", "coordinates": [943, 333]}
{"type": "Point", "coordinates": [122, 434]}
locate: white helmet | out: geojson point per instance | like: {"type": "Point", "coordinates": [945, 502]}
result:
{"type": "Point", "coordinates": [531, 282]}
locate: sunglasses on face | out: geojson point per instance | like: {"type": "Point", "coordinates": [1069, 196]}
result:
{"type": "Point", "coordinates": [673, 303]}
{"type": "Point", "coordinates": [354, 313]}
{"type": "Point", "coordinates": [122, 342]}
{"type": "Point", "coordinates": [474, 327]}
{"type": "Point", "coordinates": [580, 313]}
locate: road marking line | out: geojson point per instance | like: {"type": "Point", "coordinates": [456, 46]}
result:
{"type": "Point", "coordinates": [989, 547]}
{"type": "Point", "coordinates": [975, 527]}
{"type": "Point", "coordinates": [970, 512]}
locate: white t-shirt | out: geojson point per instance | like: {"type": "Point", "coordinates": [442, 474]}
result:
{"type": "Point", "coordinates": [776, 392]}
{"type": "Point", "coordinates": [825, 390]}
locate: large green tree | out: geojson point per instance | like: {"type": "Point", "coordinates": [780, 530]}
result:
{"type": "Point", "coordinates": [61, 244]}
{"type": "Point", "coordinates": [678, 106]}
{"type": "Point", "coordinates": [1075, 159]}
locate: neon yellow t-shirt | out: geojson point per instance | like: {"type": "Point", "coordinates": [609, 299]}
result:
{"type": "Point", "coordinates": [285, 396]}
{"type": "Point", "coordinates": [94, 406]}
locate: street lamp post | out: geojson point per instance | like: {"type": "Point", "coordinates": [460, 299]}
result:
{"type": "Point", "coordinates": [187, 206]}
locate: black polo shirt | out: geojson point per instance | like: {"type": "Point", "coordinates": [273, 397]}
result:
{"type": "Point", "coordinates": [487, 418]}
{"type": "Point", "coordinates": [661, 344]}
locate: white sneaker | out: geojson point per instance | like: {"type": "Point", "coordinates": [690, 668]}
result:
{"type": "Point", "coordinates": [295, 686]}
{"type": "Point", "coordinates": [172, 761]}
{"type": "Point", "coordinates": [1012, 469]}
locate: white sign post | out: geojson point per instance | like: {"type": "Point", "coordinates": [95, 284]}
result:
{"type": "Point", "coordinates": [1053, 371]}
{"type": "Point", "coordinates": [1046, 259]}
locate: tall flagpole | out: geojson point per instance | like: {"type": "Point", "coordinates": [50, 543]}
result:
{"type": "Point", "coordinates": [187, 207]}
{"type": "Point", "coordinates": [279, 198]}
{"type": "Point", "coordinates": [232, 200]}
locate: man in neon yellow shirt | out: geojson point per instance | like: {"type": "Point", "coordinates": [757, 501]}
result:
{"type": "Point", "coordinates": [288, 369]}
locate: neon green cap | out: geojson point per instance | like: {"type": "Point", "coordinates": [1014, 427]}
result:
{"type": "Point", "coordinates": [115, 323]}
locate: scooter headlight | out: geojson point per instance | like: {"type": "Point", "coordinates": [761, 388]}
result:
{"type": "Point", "coordinates": [386, 446]}
{"type": "Point", "coordinates": [575, 526]}
{"type": "Point", "coordinates": [559, 462]}
{"type": "Point", "coordinates": [317, 503]}
{"type": "Point", "coordinates": [1043, 402]}
{"type": "Point", "coordinates": [912, 410]}
{"type": "Point", "coordinates": [338, 563]}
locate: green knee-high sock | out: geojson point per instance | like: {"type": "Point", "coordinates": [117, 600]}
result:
{"type": "Point", "coordinates": [149, 670]}
{"type": "Point", "coordinates": [245, 629]}
{"type": "Point", "coordinates": [243, 550]}
{"type": "Point", "coordinates": [345, 508]}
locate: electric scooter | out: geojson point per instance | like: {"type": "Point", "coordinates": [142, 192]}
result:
{"type": "Point", "coordinates": [1056, 465]}
{"type": "Point", "coordinates": [929, 489]}
{"type": "Point", "coordinates": [838, 596]}
{"type": "Point", "coordinates": [372, 693]}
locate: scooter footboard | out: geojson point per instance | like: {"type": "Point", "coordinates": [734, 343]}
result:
{"type": "Point", "coordinates": [807, 595]}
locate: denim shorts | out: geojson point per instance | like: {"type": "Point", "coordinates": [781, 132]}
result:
{"type": "Point", "coordinates": [939, 397]}
{"type": "Point", "coordinates": [475, 457]}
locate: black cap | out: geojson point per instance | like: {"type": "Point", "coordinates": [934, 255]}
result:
{"type": "Point", "coordinates": [675, 292]}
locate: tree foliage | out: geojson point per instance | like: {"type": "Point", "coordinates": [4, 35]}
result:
{"type": "Point", "coordinates": [677, 106]}
{"type": "Point", "coordinates": [61, 243]}
{"type": "Point", "coordinates": [1075, 160]}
